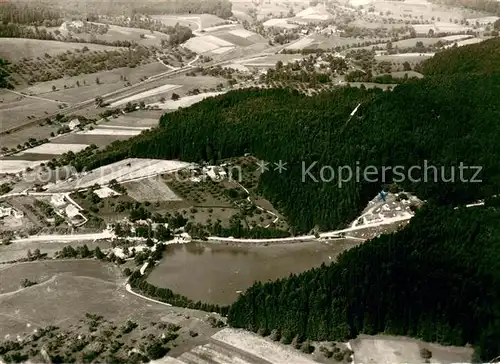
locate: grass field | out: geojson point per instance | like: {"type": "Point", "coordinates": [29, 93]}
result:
{"type": "Point", "coordinates": [67, 294]}
{"type": "Point", "coordinates": [142, 95]}
{"type": "Point", "coordinates": [14, 49]}
{"type": "Point", "coordinates": [41, 271]}
{"type": "Point", "coordinates": [19, 250]}
{"type": "Point", "coordinates": [15, 109]}
{"type": "Point", "coordinates": [185, 101]}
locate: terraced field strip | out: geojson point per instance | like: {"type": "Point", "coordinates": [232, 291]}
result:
{"type": "Point", "coordinates": [54, 148]}
{"type": "Point", "coordinates": [260, 347]}
{"type": "Point", "coordinates": [142, 95]}
{"type": "Point", "coordinates": [114, 131]}
{"type": "Point", "coordinates": [126, 170]}
{"type": "Point", "coordinates": [15, 166]}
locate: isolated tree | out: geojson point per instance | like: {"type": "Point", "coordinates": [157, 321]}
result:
{"type": "Point", "coordinates": [98, 101]}
{"type": "Point", "coordinates": [175, 97]}
{"type": "Point", "coordinates": [97, 81]}
{"type": "Point", "coordinates": [496, 25]}
{"type": "Point", "coordinates": [98, 253]}
{"type": "Point", "coordinates": [54, 88]}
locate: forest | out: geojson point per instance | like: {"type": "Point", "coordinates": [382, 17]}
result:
{"type": "Point", "coordinates": [482, 58]}
{"type": "Point", "coordinates": [128, 8]}
{"type": "Point", "coordinates": [438, 279]}
{"type": "Point", "coordinates": [4, 74]}
{"type": "Point", "coordinates": [489, 6]}
{"type": "Point", "coordinates": [440, 119]}
{"type": "Point", "coordinates": [29, 14]}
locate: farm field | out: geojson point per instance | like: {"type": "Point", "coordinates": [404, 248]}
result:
{"type": "Point", "coordinates": [418, 8]}
{"type": "Point", "coordinates": [465, 42]}
{"type": "Point", "coordinates": [150, 119]}
{"type": "Point", "coordinates": [317, 41]}
{"type": "Point", "coordinates": [271, 60]}
{"type": "Point", "coordinates": [99, 140]}
{"type": "Point", "coordinates": [280, 23]}
{"type": "Point", "coordinates": [411, 42]}
{"type": "Point", "coordinates": [313, 13]}
{"type": "Point", "coordinates": [14, 49]}
{"type": "Point", "coordinates": [412, 58]}
{"type": "Point", "coordinates": [15, 109]}
{"type": "Point", "coordinates": [16, 166]}
{"type": "Point", "coordinates": [185, 101]}
{"type": "Point", "coordinates": [110, 131]}
{"type": "Point", "coordinates": [194, 21]}
{"type": "Point", "coordinates": [153, 92]}
{"type": "Point", "coordinates": [395, 349]}
{"type": "Point", "coordinates": [215, 272]}
{"type": "Point", "coordinates": [109, 81]}
{"type": "Point", "coordinates": [54, 149]}
{"type": "Point", "coordinates": [262, 348]}
{"type": "Point", "coordinates": [222, 39]}
{"type": "Point", "coordinates": [150, 189]}
{"type": "Point", "coordinates": [123, 171]}
{"type": "Point", "coordinates": [186, 84]}
{"type": "Point", "coordinates": [279, 8]}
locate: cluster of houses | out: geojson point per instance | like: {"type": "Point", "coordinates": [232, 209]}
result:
{"type": "Point", "coordinates": [63, 207]}
{"type": "Point", "coordinates": [6, 211]}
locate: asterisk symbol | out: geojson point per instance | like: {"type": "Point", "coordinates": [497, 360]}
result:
{"type": "Point", "coordinates": [280, 166]}
{"type": "Point", "coordinates": [263, 166]}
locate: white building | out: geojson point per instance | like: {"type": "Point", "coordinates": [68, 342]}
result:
{"type": "Point", "coordinates": [215, 173]}
{"type": "Point", "coordinates": [5, 211]}
{"type": "Point", "coordinates": [9, 211]}
{"type": "Point", "coordinates": [73, 124]}
{"type": "Point", "coordinates": [71, 211]}
{"type": "Point", "coordinates": [58, 200]}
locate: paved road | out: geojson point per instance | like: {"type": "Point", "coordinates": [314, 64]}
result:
{"type": "Point", "coordinates": [325, 235]}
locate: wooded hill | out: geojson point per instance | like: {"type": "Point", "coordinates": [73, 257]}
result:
{"type": "Point", "coordinates": [126, 8]}
{"type": "Point", "coordinates": [482, 58]}
{"type": "Point", "coordinates": [438, 280]}
{"type": "Point", "coordinates": [446, 120]}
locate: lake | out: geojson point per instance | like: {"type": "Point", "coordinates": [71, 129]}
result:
{"type": "Point", "coordinates": [214, 273]}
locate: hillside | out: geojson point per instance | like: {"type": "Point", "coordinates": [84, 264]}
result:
{"type": "Point", "coordinates": [437, 280]}
{"type": "Point", "coordinates": [483, 58]}
{"type": "Point", "coordinates": [440, 120]}
{"type": "Point", "coordinates": [221, 8]}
